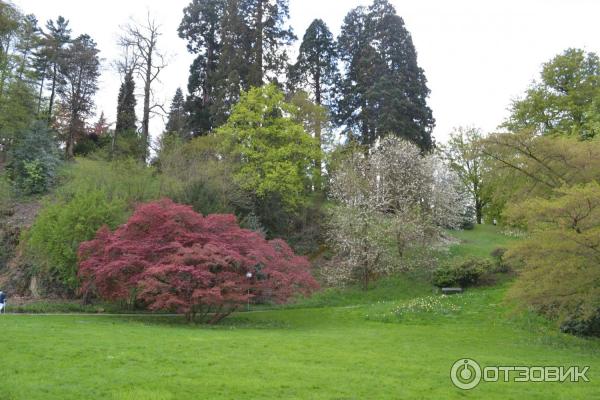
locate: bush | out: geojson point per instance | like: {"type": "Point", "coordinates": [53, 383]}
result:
{"type": "Point", "coordinates": [127, 180]}
{"type": "Point", "coordinates": [55, 236]}
{"type": "Point", "coordinates": [172, 258]}
{"type": "Point", "coordinates": [582, 326]}
{"type": "Point", "coordinates": [34, 160]}
{"type": "Point", "coordinates": [558, 259]}
{"type": "Point", "coordinates": [197, 175]}
{"type": "Point", "coordinates": [463, 273]}
{"type": "Point", "coordinates": [500, 265]}
{"type": "Point", "coordinates": [6, 195]}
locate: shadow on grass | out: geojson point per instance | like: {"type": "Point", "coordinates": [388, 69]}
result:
{"type": "Point", "coordinates": [235, 321]}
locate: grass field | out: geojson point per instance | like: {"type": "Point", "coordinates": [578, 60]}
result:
{"type": "Point", "coordinates": [342, 344]}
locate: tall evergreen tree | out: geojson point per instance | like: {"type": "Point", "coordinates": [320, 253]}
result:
{"type": "Point", "coordinates": [233, 64]}
{"type": "Point", "coordinates": [201, 27]}
{"type": "Point", "coordinates": [383, 91]}
{"type": "Point", "coordinates": [316, 70]}
{"type": "Point", "coordinates": [126, 102]}
{"type": "Point", "coordinates": [58, 35]}
{"type": "Point", "coordinates": [239, 44]}
{"type": "Point", "coordinates": [316, 67]}
{"type": "Point", "coordinates": [79, 70]}
{"type": "Point", "coordinates": [265, 20]}
{"type": "Point", "coordinates": [176, 124]}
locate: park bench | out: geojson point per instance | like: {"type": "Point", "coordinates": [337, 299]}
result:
{"type": "Point", "coordinates": [451, 290]}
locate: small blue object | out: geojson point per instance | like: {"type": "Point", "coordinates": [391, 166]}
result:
{"type": "Point", "coordinates": [2, 298]}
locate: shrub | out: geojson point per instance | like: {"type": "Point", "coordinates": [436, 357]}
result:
{"type": "Point", "coordinates": [582, 326]}
{"type": "Point", "coordinates": [6, 195]}
{"type": "Point", "coordinates": [172, 258]}
{"type": "Point", "coordinates": [464, 272]}
{"type": "Point", "coordinates": [197, 175]}
{"type": "Point", "coordinates": [127, 180]}
{"type": "Point", "coordinates": [500, 264]}
{"type": "Point", "coordinates": [59, 228]}
{"type": "Point", "coordinates": [34, 160]}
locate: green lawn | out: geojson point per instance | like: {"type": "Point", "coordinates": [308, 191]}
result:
{"type": "Point", "coordinates": [341, 345]}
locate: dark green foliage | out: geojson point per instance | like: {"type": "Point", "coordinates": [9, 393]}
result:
{"type": "Point", "coordinates": [176, 124]}
{"type": "Point", "coordinates": [201, 27]}
{"type": "Point", "coordinates": [33, 160]}
{"type": "Point", "coordinates": [97, 139]}
{"type": "Point", "coordinates": [239, 45]}
{"type": "Point", "coordinates": [206, 197]}
{"type": "Point", "coordinates": [500, 265]}
{"type": "Point", "coordinates": [461, 272]}
{"type": "Point", "coordinates": [582, 326]}
{"type": "Point", "coordinates": [126, 102]}
{"type": "Point", "coordinates": [383, 90]}
{"type": "Point", "coordinates": [316, 67]}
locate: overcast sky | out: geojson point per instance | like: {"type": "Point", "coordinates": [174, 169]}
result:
{"type": "Point", "coordinates": [477, 55]}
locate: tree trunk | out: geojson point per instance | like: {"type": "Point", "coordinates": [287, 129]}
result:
{"type": "Point", "coordinates": [70, 139]}
{"type": "Point", "coordinates": [4, 67]}
{"type": "Point", "coordinates": [146, 115]}
{"type": "Point", "coordinates": [318, 161]}
{"type": "Point", "coordinates": [258, 78]}
{"type": "Point", "coordinates": [52, 92]}
{"type": "Point", "coordinates": [478, 211]}
{"type": "Point", "coordinates": [41, 92]}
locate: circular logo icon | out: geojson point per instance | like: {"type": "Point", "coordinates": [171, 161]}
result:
{"type": "Point", "coordinates": [465, 374]}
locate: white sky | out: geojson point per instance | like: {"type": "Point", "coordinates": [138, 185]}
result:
{"type": "Point", "coordinates": [477, 55]}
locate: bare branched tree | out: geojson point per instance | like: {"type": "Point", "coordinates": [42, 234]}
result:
{"type": "Point", "coordinates": [147, 61]}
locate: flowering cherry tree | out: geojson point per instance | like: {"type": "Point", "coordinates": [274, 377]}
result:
{"type": "Point", "coordinates": [172, 258]}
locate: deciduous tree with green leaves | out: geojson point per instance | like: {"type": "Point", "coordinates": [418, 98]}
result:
{"type": "Point", "coordinates": [566, 99]}
{"type": "Point", "coordinates": [274, 152]}
{"type": "Point", "coordinates": [464, 152]}
{"type": "Point", "coordinates": [561, 257]}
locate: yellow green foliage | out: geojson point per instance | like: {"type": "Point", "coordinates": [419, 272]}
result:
{"type": "Point", "coordinates": [561, 277]}
{"type": "Point", "coordinates": [274, 154]}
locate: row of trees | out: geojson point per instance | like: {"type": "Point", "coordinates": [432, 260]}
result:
{"type": "Point", "coordinates": [239, 44]}
{"type": "Point", "coordinates": [45, 74]}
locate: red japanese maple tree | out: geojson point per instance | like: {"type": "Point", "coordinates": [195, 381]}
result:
{"type": "Point", "coordinates": [172, 258]}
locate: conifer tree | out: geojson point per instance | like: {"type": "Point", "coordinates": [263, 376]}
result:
{"type": "Point", "coordinates": [384, 91]}
{"type": "Point", "coordinates": [201, 27]}
{"type": "Point", "coordinates": [57, 37]}
{"type": "Point", "coordinates": [176, 124]}
{"type": "Point", "coordinates": [126, 102]}
{"type": "Point", "coordinates": [316, 67]}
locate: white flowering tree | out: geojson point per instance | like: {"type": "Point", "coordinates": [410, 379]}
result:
{"type": "Point", "coordinates": [390, 203]}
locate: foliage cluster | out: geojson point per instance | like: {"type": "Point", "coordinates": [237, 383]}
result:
{"type": "Point", "coordinates": [461, 272]}
{"type": "Point", "coordinates": [33, 160]}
